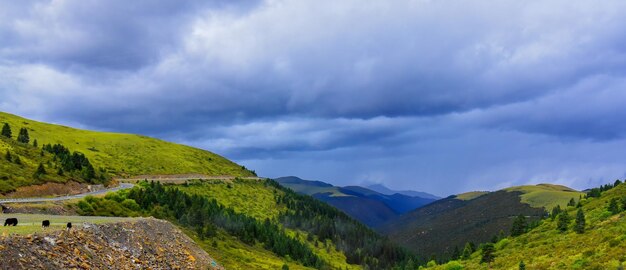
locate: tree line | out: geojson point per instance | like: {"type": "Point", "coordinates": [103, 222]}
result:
{"type": "Point", "coordinates": [204, 216]}
{"type": "Point", "coordinates": [73, 162]}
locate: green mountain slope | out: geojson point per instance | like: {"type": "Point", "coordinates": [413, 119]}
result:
{"type": "Point", "coordinates": [600, 246]}
{"type": "Point", "coordinates": [19, 169]}
{"type": "Point", "coordinates": [243, 224]}
{"type": "Point", "coordinates": [441, 227]}
{"type": "Point", "coordinates": [127, 154]}
{"type": "Point", "coordinates": [546, 195]}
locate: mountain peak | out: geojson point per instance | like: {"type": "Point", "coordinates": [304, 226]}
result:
{"type": "Point", "coordinates": [380, 188]}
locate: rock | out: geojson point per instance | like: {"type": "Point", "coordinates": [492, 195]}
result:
{"type": "Point", "coordinates": [137, 244]}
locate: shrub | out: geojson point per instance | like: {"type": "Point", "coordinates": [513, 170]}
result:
{"type": "Point", "coordinates": [453, 265]}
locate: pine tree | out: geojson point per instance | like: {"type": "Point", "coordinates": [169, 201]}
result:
{"type": "Point", "coordinates": [17, 160]}
{"type": "Point", "coordinates": [519, 226]}
{"type": "Point", "coordinates": [60, 171]}
{"type": "Point", "coordinates": [522, 265]}
{"type": "Point", "coordinates": [40, 171]}
{"type": "Point", "coordinates": [555, 212]}
{"type": "Point", "coordinates": [35, 144]}
{"type": "Point", "coordinates": [613, 207]}
{"type": "Point", "coordinates": [467, 251]}
{"type": "Point", "coordinates": [571, 202]}
{"type": "Point", "coordinates": [23, 136]}
{"type": "Point", "coordinates": [563, 222]}
{"type": "Point", "coordinates": [579, 226]}
{"type": "Point", "coordinates": [487, 253]}
{"type": "Point", "coordinates": [88, 172]}
{"type": "Point", "coordinates": [8, 157]}
{"type": "Point", "coordinates": [6, 131]}
{"type": "Point", "coordinates": [456, 253]}
{"type": "Point", "coordinates": [410, 265]}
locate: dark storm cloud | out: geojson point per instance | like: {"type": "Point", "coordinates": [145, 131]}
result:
{"type": "Point", "coordinates": [390, 90]}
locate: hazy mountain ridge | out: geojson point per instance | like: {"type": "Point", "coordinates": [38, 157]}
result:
{"type": "Point", "coordinates": [366, 205]}
{"type": "Point", "coordinates": [380, 188]}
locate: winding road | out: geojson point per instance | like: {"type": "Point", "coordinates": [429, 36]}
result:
{"type": "Point", "coordinates": [64, 198]}
{"type": "Point", "coordinates": [126, 183]}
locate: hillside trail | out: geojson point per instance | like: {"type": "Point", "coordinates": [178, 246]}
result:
{"type": "Point", "coordinates": [126, 183]}
{"type": "Point", "coordinates": [65, 198]}
{"type": "Point", "coordinates": [181, 178]}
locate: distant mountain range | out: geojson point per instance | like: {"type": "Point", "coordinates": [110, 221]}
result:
{"type": "Point", "coordinates": [369, 206]}
{"type": "Point", "coordinates": [385, 190]}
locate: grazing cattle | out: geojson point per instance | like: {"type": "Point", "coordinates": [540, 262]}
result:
{"type": "Point", "coordinates": [45, 223]}
{"type": "Point", "coordinates": [69, 225]}
{"type": "Point", "coordinates": [10, 222]}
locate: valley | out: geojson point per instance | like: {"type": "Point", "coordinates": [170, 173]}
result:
{"type": "Point", "coordinates": [227, 217]}
{"type": "Point", "coordinates": [368, 206]}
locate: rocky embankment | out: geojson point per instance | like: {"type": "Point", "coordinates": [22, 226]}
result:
{"type": "Point", "coordinates": [145, 243]}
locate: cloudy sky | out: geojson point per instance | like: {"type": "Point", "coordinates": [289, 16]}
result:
{"type": "Point", "coordinates": [439, 96]}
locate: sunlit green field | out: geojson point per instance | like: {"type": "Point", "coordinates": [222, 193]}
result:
{"type": "Point", "coordinates": [250, 197]}
{"type": "Point", "coordinates": [470, 195]}
{"type": "Point", "coordinates": [546, 195]}
{"type": "Point", "coordinates": [31, 223]}
{"type": "Point", "coordinates": [127, 154]}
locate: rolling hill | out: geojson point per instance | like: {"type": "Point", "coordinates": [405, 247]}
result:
{"type": "Point", "coordinates": [122, 154]}
{"type": "Point", "coordinates": [600, 246]}
{"type": "Point", "coordinates": [368, 206]}
{"type": "Point", "coordinates": [441, 227]}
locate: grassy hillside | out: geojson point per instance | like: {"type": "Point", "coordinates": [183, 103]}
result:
{"type": "Point", "coordinates": [257, 199]}
{"type": "Point", "coordinates": [31, 223]}
{"type": "Point", "coordinates": [223, 224]}
{"type": "Point", "coordinates": [601, 246]}
{"type": "Point", "coordinates": [470, 195]}
{"type": "Point", "coordinates": [546, 195]}
{"type": "Point", "coordinates": [127, 154]}
{"type": "Point", "coordinates": [441, 227]}
{"type": "Point", "coordinates": [14, 173]}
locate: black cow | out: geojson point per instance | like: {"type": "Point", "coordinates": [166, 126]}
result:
{"type": "Point", "coordinates": [45, 223]}
{"type": "Point", "coordinates": [10, 222]}
{"type": "Point", "coordinates": [69, 225]}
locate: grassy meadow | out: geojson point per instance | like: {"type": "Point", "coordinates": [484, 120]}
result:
{"type": "Point", "coordinates": [127, 154]}
{"type": "Point", "coordinates": [547, 195]}
{"type": "Point", "coordinates": [31, 223]}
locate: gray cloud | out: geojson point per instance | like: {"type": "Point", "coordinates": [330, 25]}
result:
{"type": "Point", "coordinates": [376, 91]}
